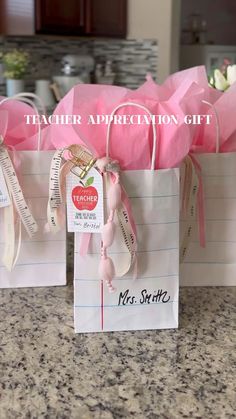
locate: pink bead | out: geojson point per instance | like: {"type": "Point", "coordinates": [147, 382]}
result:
{"type": "Point", "coordinates": [114, 196]}
{"type": "Point", "coordinates": [106, 270]}
{"type": "Point", "coordinates": [108, 233]}
{"type": "Point", "coordinates": [110, 287]}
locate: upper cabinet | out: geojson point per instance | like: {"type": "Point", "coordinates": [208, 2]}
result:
{"type": "Point", "coordinates": [106, 17]}
{"type": "Point", "coordinates": [61, 17]}
{"type": "Point", "coordinates": [81, 17]}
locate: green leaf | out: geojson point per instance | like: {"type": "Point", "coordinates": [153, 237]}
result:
{"type": "Point", "coordinates": [89, 181]}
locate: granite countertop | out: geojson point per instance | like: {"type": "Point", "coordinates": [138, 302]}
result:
{"type": "Point", "coordinates": [49, 372]}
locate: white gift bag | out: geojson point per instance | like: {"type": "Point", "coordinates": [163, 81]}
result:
{"type": "Point", "coordinates": [214, 264]}
{"type": "Point", "coordinates": [151, 300]}
{"type": "Point", "coordinates": [41, 260]}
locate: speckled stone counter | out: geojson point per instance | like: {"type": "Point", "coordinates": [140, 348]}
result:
{"type": "Point", "coordinates": [49, 372]}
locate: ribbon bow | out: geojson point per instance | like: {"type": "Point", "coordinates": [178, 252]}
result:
{"type": "Point", "coordinates": [118, 203]}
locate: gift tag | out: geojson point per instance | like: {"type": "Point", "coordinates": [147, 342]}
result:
{"type": "Point", "coordinates": [85, 208]}
{"type": "Point", "coordinates": [4, 194]}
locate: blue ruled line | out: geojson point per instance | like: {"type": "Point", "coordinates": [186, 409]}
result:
{"type": "Point", "coordinates": [209, 263]}
{"type": "Point", "coordinates": [220, 219]}
{"type": "Point", "coordinates": [36, 263]}
{"type": "Point", "coordinates": [129, 278]}
{"type": "Point", "coordinates": [219, 175]}
{"type": "Point", "coordinates": [151, 196]}
{"type": "Point", "coordinates": [220, 197]}
{"type": "Point", "coordinates": [125, 306]}
{"type": "Point", "coordinates": [215, 241]}
{"type": "Point", "coordinates": [160, 223]}
{"type": "Point", "coordinates": [40, 241]}
{"type": "Point", "coordinates": [211, 219]}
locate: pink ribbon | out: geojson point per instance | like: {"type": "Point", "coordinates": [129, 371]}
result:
{"type": "Point", "coordinates": [128, 228]}
{"type": "Point", "coordinates": [86, 237]}
{"type": "Point", "coordinates": [84, 243]}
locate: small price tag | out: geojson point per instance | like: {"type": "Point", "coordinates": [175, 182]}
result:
{"type": "Point", "coordinates": [85, 208]}
{"type": "Point", "coordinates": [4, 194]}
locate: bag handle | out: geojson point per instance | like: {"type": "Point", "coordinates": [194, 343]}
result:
{"type": "Point", "coordinates": [24, 97]}
{"type": "Point", "coordinates": [154, 148]}
{"type": "Point", "coordinates": [217, 125]}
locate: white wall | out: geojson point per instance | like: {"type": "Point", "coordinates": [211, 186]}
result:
{"type": "Point", "coordinates": [160, 20]}
{"type": "Point", "coordinates": [175, 35]}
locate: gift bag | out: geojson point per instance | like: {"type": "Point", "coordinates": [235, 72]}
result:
{"type": "Point", "coordinates": [146, 296]}
{"type": "Point", "coordinates": [30, 255]}
{"type": "Point", "coordinates": [213, 264]}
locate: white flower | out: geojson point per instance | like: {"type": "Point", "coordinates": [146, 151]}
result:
{"type": "Point", "coordinates": [231, 74]}
{"type": "Point", "coordinates": [220, 81]}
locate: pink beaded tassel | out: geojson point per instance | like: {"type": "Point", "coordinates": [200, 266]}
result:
{"type": "Point", "coordinates": [106, 266]}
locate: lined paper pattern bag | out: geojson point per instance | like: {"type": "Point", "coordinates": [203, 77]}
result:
{"type": "Point", "coordinates": [216, 263]}
{"type": "Point", "coordinates": [42, 258]}
{"type": "Point", "coordinates": [151, 300]}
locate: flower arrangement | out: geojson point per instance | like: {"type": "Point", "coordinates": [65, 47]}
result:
{"type": "Point", "coordinates": [15, 63]}
{"type": "Point", "coordinates": [223, 78]}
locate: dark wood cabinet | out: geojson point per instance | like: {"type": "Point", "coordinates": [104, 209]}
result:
{"type": "Point", "coordinates": [81, 17]}
{"type": "Point", "coordinates": [60, 17]}
{"type": "Point", "coordinates": [106, 17]}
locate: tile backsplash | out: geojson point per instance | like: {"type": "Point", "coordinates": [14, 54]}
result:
{"type": "Point", "coordinates": [132, 59]}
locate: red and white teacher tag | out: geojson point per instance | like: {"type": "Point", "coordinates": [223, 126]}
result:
{"type": "Point", "coordinates": [84, 198]}
{"type": "Point", "coordinates": [4, 194]}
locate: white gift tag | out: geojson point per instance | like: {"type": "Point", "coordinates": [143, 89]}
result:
{"type": "Point", "coordinates": [4, 194]}
{"type": "Point", "coordinates": [85, 208]}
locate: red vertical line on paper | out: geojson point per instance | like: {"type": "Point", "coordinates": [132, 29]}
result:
{"type": "Point", "coordinates": [102, 305]}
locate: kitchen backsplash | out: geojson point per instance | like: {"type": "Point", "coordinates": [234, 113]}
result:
{"type": "Point", "coordinates": [132, 59]}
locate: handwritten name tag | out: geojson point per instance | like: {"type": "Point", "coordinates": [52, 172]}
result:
{"type": "Point", "coordinates": [85, 203]}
